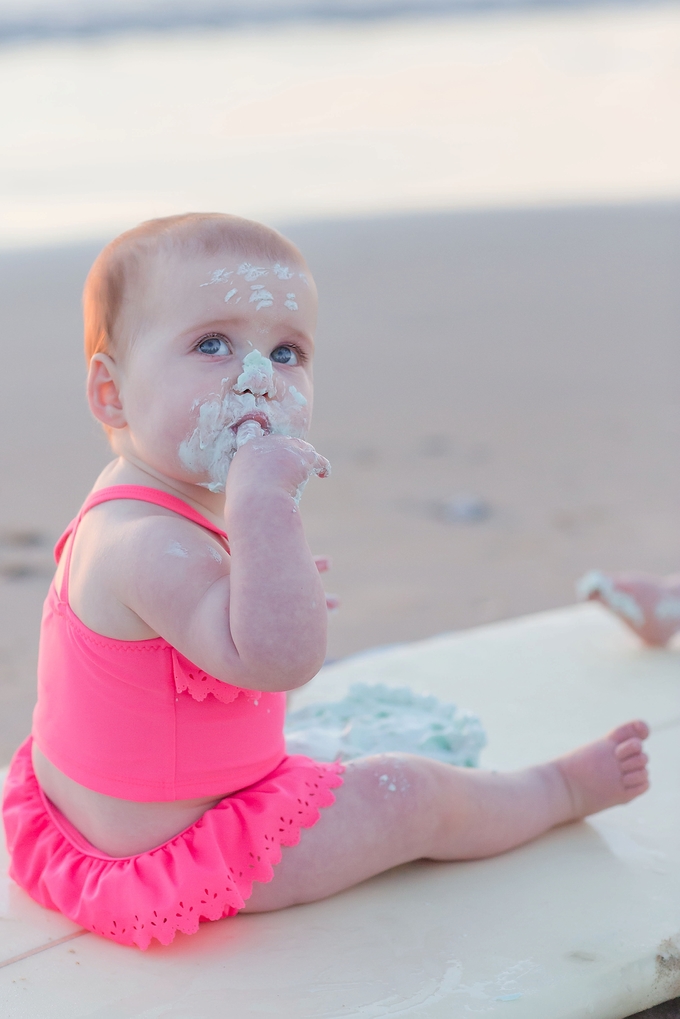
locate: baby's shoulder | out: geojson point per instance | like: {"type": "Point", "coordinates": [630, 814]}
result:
{"type": "Point", "coordinates": [124, 539]}
{"type": "Point", "coordinates": [133, 566]}
{"type": "Point", "coordinates": [151, 533]}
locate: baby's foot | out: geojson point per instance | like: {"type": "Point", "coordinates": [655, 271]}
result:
{"type": "Point", "coordinates": [609, 771]}
{"type": "Point", "coordinates": [650, 606]}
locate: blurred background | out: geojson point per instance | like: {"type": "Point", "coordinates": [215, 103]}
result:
{"type": "Point", "coordinates": [489, 197]}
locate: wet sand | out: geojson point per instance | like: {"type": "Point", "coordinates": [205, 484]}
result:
{"type": "Point", "coordinates": [526, 359]}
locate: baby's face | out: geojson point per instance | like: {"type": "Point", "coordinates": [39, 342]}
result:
{"type": "Point", "coordinates": [218, 341]}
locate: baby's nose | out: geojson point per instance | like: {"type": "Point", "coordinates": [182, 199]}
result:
{"type": "Point", "coordinates": [257, 376]}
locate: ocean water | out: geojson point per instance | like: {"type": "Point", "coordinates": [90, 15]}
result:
{"type": "Point", "coordinates": [286, 119]}
{"type": "Point", "coordinates": [42, 19]}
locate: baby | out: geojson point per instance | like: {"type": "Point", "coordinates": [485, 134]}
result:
{"type": "Point", "coordinates": [155, 790]}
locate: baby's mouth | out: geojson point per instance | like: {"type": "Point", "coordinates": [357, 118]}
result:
{"type": "Point", "coordinates": [258, 416]}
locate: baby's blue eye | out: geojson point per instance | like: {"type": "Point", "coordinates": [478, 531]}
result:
{"type": "Point", "coordinates": [284, 355]}
{"type": "Point", "coordinates": [213, 345]}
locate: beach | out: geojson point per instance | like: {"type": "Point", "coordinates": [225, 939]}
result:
{"type": "Point", "coordinates": [483, 460]}
{"type": "Point", "coordinates": [489, 201]}
{"type": "Point", "coordinates": [487, 451]}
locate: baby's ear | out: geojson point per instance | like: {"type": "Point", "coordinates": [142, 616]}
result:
{"type": "Point", "coordinates": [103, 392]}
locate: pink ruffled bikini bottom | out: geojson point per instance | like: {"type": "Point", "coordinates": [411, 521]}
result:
{"type": "Point", "coordinates": [204, 873]}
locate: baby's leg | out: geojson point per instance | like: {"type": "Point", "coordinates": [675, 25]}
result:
{"type": "Point", "coordinates": [394, 808]}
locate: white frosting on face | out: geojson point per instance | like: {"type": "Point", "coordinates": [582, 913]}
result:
{"type": "Point", "coordinates": [259, 396]}
{"type": "Point", "coordinates": [251, 272]}
{"type": "Point", "coordinates": [247, 431]}
{"type": "Point", "coordinates": [259, 294]}
{"type": "Point", "coordinates": [261, 297]}
{"type": "Point", "coordinates": [257, 375]}
{"type": "Point", "coordinates": [218, 276]}
{"type": "Point", "coordinates": [282, 271]}
{"type": "Point", "coordinates": [297, 396]}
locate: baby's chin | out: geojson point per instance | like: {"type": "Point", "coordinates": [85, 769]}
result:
{"type": "Point", "coordinates": [247, 432]}
{"type": "Point", "coordinates": [211, 444]}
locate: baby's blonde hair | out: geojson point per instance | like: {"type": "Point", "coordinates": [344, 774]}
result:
{"type": "Point", "coordinates": [120, 267]}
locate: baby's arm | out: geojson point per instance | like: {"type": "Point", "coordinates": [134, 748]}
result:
{"type": "Point", "coordinates": [260, 620]}
{"type": "Point", "coordinates": [277, 613]}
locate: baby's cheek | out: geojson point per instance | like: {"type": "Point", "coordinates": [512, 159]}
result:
{"type": "Point", "coordinates": [157, 434]}
{"type": "Point", "coordinates": [291, 414]}
{"type": "Point", "coordinates": [299, 419]}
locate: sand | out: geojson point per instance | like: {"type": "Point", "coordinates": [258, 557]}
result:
{"type": "Point", "coordinates": [540, 378]}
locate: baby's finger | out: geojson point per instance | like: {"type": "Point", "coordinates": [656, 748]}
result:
{"type": "Point", "coordinates": [332, 602]}
{"type": "Point", "coordinates": [247, 432]}
{"type": "Point", "coordinates": [313, 461]}
{"type": "Point", "coordinates": [321, 467]}
{"type": "Point", "coordinates": [323, 563]}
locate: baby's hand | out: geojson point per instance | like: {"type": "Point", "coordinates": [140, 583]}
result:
{"type": "Point", "coordinates": [648, 605]}
{"type": "Point", "coordinates": [275, 460]}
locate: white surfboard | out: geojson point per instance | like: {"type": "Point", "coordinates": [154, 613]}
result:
{"type": "Point", "coordinates": [584, 922]}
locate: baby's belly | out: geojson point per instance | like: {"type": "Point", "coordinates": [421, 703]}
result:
{"type": "Point", "coordinates": [116, 827]}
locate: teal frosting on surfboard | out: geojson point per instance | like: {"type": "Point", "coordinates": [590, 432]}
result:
{"type": "Point", "coordinates": [375, 718]}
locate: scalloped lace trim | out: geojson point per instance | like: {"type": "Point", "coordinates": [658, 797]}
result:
{"type": "Point", "coordinates": [216, 902]}
{"type": "Point", "coordinates": [186, 920]}
{"type": "Point", "coordinates": [199, 684]}
{"type": "Point", "coordinates": [203, 873]}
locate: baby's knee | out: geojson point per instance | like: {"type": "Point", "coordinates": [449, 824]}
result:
{"type": "Point", "coordinates": [405, 781]}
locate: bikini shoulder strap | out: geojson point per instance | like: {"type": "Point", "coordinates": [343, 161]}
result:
{"type": "Point", "coordinates": [140, 493]}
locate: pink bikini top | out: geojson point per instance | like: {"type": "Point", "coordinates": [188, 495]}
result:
{"type": "Point", "coordinates": [135, 719]}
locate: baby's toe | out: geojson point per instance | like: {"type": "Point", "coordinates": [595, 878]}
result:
{"type": "Point", "coordinates": [635, 780]}
{"type": "Point", "coordinates": [630, 730]}
{"type": "Point", "coordinates": [629, 748]}
{"type": "Point", "coordinates": [636, 763]}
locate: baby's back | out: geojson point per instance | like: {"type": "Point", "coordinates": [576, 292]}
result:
{"type": "Point", "coordinates": [132, 740]}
